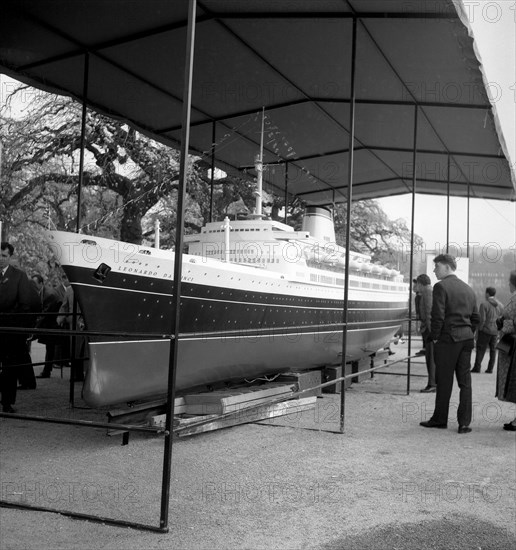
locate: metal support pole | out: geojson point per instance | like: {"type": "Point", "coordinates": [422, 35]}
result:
{"type": "Point", "coordinates": [286, 190]}
{"type": "Point", "coordinates": [73, 342]}
{"type": "Point", "coordinates": [467, 221]}
{"type": "Point", "coordinates": [181, 195]}
{"type": "Point", "coordinates": [414, 180]}
{"type": "Point", "coordinates": [212, 178]}
{"type": "Point", "coordinates": [1, 168]}
{"type": "Point", "coordinates": [348, 221]}
{"type": "Point", "coordinates": [83, 139]}
{"type": "Point", "coordinates": [448, 208]}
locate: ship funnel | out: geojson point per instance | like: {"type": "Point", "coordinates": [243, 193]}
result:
{"type": "Point", "coordinates": [319, 222]}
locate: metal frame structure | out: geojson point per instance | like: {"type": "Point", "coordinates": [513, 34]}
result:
{"type": "Point", "coordinates": [163, 526]}
{"type": "Point", "coordinates": [174, 336]}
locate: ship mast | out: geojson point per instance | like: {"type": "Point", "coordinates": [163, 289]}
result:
{"type": "Point", "coordinates": [258, 165]}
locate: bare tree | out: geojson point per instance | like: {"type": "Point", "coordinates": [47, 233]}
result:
{"type": "Point", "coordinates": [130, 181]}
{"type": "Point", "coordinates": [125, 175]}
{"type": "Point", "coordinates": [373, 233]}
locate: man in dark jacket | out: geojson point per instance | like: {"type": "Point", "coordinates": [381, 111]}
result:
{"type": "Point", "coordinates": [18, 297]}
{"type": "Point", "coordinates": [489, 311]}
{"type": "Point", "coordinates": [454, 320]}
{"type": "Point", "coordinates": [424, 288]}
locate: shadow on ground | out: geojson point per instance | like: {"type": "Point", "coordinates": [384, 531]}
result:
{"type": "Point", "coordinates": [454, 534]}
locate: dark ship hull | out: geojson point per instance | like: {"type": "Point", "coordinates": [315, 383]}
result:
{"type": "Point", "coordinates": [238, 319]}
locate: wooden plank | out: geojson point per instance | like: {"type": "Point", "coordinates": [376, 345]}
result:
{"type": "Point", "coordinates": [142, 412]}
{"type": "Point", "coordinates": [358, 366]}
{"type": "Point", "coordinates": [234, 399]}
{"type": "Point", "coordinates": [247, 416]}
{"type": "Point", "coordinates": [305, 380]}
{"type": "Point", "coordinates": [332, 372]}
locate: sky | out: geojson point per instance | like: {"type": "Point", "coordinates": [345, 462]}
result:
{"type": "Point", "coordinates": [492, 223]}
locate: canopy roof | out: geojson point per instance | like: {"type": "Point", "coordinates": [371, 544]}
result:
{"type": "Point", "coordinates": [294, 59]}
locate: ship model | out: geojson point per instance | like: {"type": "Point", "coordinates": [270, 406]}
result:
{"type": "Point", "coordinates": [257, 298]}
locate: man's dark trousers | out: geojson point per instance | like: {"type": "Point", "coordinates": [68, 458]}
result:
{"type": "Point", "coordinates": [483, 341]}
{"type": "Point", "coordinates": [11, 359]}
{"type": "Point", "coordinates": [453, 358]}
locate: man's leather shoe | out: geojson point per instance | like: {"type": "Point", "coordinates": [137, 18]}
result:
{"type": "Point", "coordinates": [8, 409]}
{"type": "Point", "coordinates": [432, 424]}
{"type": "Point", "coordinates": [464, 429]}
{"type": "Point", "coordinates": [509, 427]}
{"type": "Point", "coordinates": [26, 387]}
{"type": "Point", "coordinates": [475, 370]}
{"type": "Point", "coordinates": [43, 375]}
{"type": "Point", "coordinates": [428, 389]}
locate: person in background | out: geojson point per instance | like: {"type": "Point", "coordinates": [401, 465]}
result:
{"type": "Point", "coordinates": [506, 371]}
{"type": "Point", "coordinates": [417, 302]}
{"type": "Point", "coordinates": [60, 289]}
{"type": "Point", "coordinates": [18, 297]}
{"type": "Point", "coordinates": [424, 287]}
{"type": "Point", "coordinates": [453, 324]}
{"type": "Point", "coordinates": [50, 304]}
{"type": "Point", "coordinates": [63, 346]}
{"type": "Point", "coordinates": [25, 371]}
{"type": "Point", "coordinates": [490, 309]}
{"type": "Point", "coordinates": [65, 321]}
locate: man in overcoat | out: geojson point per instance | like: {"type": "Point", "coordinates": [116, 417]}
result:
{"type": "Point", "coordinates": [454, 320]}
{"type": "Point", "coordinates": [18, 297]}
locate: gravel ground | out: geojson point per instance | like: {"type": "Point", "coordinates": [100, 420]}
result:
{"type": "Point", "coordinates": [289, 483]}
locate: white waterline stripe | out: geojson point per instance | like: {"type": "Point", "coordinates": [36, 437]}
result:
{"type": "Point", "coordinates": [245, 303]}
{"type": "Point", "coordinates": [241, 336]}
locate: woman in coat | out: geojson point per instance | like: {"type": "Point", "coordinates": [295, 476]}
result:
{"type": "Point", "coordinates": [506, 372]}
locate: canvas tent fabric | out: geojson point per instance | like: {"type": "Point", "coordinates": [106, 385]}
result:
{"type": "Point", "coordinates": [293, 59]}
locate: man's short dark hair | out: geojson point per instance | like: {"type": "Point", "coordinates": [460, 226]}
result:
{"type": "Point", "coordinates": [447, 260]}
{"type": "Point", "coordinates": [7, 246]}
{"type": "Point", "coordinates": [490, 291]}
{"type": "Point", "coordinates": [423, 279]}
